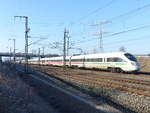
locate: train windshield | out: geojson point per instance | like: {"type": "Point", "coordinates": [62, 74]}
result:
{"type": "Point", "coordinates": [130, 57]}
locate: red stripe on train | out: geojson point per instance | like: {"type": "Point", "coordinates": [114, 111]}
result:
{"type": "Point", "coordinates": [67, 62]}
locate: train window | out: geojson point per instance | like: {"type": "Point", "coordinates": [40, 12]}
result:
{"type": "Point", "coordinates": [67, 60]}
{"type": "Point", "coordinates": [115, 59]}
{"type": "Point", "coordinates": [119, 60]}
{"type": "Point", "coordinates": [99, 60]}
{"type": "Point", "coordinates": [93, 60]}
{"type": "Point", "coordinates": [76, 60]}
{"type": "Point", "coordinates": [86, 60]}
{"type": "Point", "coordinates": [59, 60]}
{"type": "Point", "coordinates": [89, 60]}
{"type": "Point", "coordinates": [130, 57]}
{"type": "Point", "coordinates": [109, 59]}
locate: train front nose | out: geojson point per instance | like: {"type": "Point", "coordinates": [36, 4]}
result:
{"type": "Point", "coordinates": [138, 66]}
{"type": "Point", "coordinates": [135, 66]}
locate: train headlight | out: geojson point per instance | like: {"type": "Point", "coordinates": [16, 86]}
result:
{"type": "Point", "coordinates": [133, 63]}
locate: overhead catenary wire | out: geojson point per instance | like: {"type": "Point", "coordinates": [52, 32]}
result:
{"type": "Point", "coordinates": [117, 33]}
{"type": "Point", "coordinates": [91, 13]}
{"type": "Point", "coordinates": [128, 40]}
{"type": "Point", "coordinates": [129, 12]}
{"type": "Point", "coordinates": [124, 41]}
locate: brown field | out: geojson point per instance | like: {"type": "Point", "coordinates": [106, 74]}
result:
{"type": "Point", "coordinates": [18, 97]}
{"type": "Point", "coordinates": [145, 64]}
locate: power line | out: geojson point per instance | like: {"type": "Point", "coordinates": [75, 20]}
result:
{"type": "Point", "coordinates": [113, 18]}
{"type": "Point", "coordinates": [129, 40]}
{"type": "Point", "coordinates": [117, 33]}
{"type": "Point", "coordinates": [131, 12]}
{"type": "Point", "coordinates": [129, 30]}
{"type": "Point", "coordinates": [93, 12]}
{"type": "Point", "coordinates": [125, 41]}
{"type": "Point", "coordinates": [117, 17]}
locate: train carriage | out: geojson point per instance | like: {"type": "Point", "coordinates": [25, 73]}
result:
{"type": "Point", "coordinates": [118, 61]}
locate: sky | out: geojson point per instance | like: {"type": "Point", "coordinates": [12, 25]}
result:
{"type": "Point", "coordinates": [49, 18]}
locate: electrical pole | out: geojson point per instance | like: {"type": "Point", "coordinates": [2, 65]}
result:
{"type": "Point", "coordinates": [101, 41]}
{"type": "Point", "coordinates": [43, 50]}
{"type": "Point", "coordinates": [26, 40]}
{"type": "Point", "coordinates": [68, 41]}
{"type": "Point", "coordinates": [10, 53]}
{"type": "Point", "coordinates": [14, 49]}
{"type": "Point", "coordinates": [101, 34]}
{"type": "Point", "coordinates": [64, 51]}
{"type": "Point", "coordinates": [39, 55]}
{"type": "Point", "coordinates": [14, 52]}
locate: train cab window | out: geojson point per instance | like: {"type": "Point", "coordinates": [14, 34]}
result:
{"type": "Point", "coordinates": [130, 57]}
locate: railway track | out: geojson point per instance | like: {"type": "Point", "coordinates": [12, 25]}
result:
{"type": "Point", "coordinates": [145, 75]}
{"type": "Point", "coordinates": [65, 101]}
{"type": "Point", "coordinates": [59, 98]}
{"type": "Point", "coordinates": [119, 83]}
{"type": "Point", "coordinates": [122, 87]}
{"type": "Point", "coordinates": [108, 84]}
{"type": "Point", "coordinates": [138, 74]}
{"type": "Point", "coordinates": [117, 78]}
{"type": "Point", "coordinates": [94, 75]}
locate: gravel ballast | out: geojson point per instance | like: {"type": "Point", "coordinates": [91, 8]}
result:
{"type": "Point", "coordinates": [138, 103]}
{"type": "Point", "coordinates": [135, 102]}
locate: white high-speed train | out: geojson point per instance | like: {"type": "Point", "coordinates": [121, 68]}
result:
{"type": "Point", "coordinates": [115, 62]}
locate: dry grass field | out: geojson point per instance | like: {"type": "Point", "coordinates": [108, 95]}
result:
{"type": "Point", "coordinates": [18, 97]}
{"type": "Point", "coordinates": [145, 63]}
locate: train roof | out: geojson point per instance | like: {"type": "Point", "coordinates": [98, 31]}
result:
{"type": "Point", "coordinates": [101, 54]}
{"type": "Point", "coordinates": [112, 54]}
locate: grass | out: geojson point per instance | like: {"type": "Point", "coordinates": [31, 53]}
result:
{"type": "Point", "coordinates": [145, 64]}
{"type": "Point", "coordinates": [18, 97]}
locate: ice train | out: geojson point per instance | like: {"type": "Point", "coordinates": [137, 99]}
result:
{"type": "Point", "coordinates": [114, 62]}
